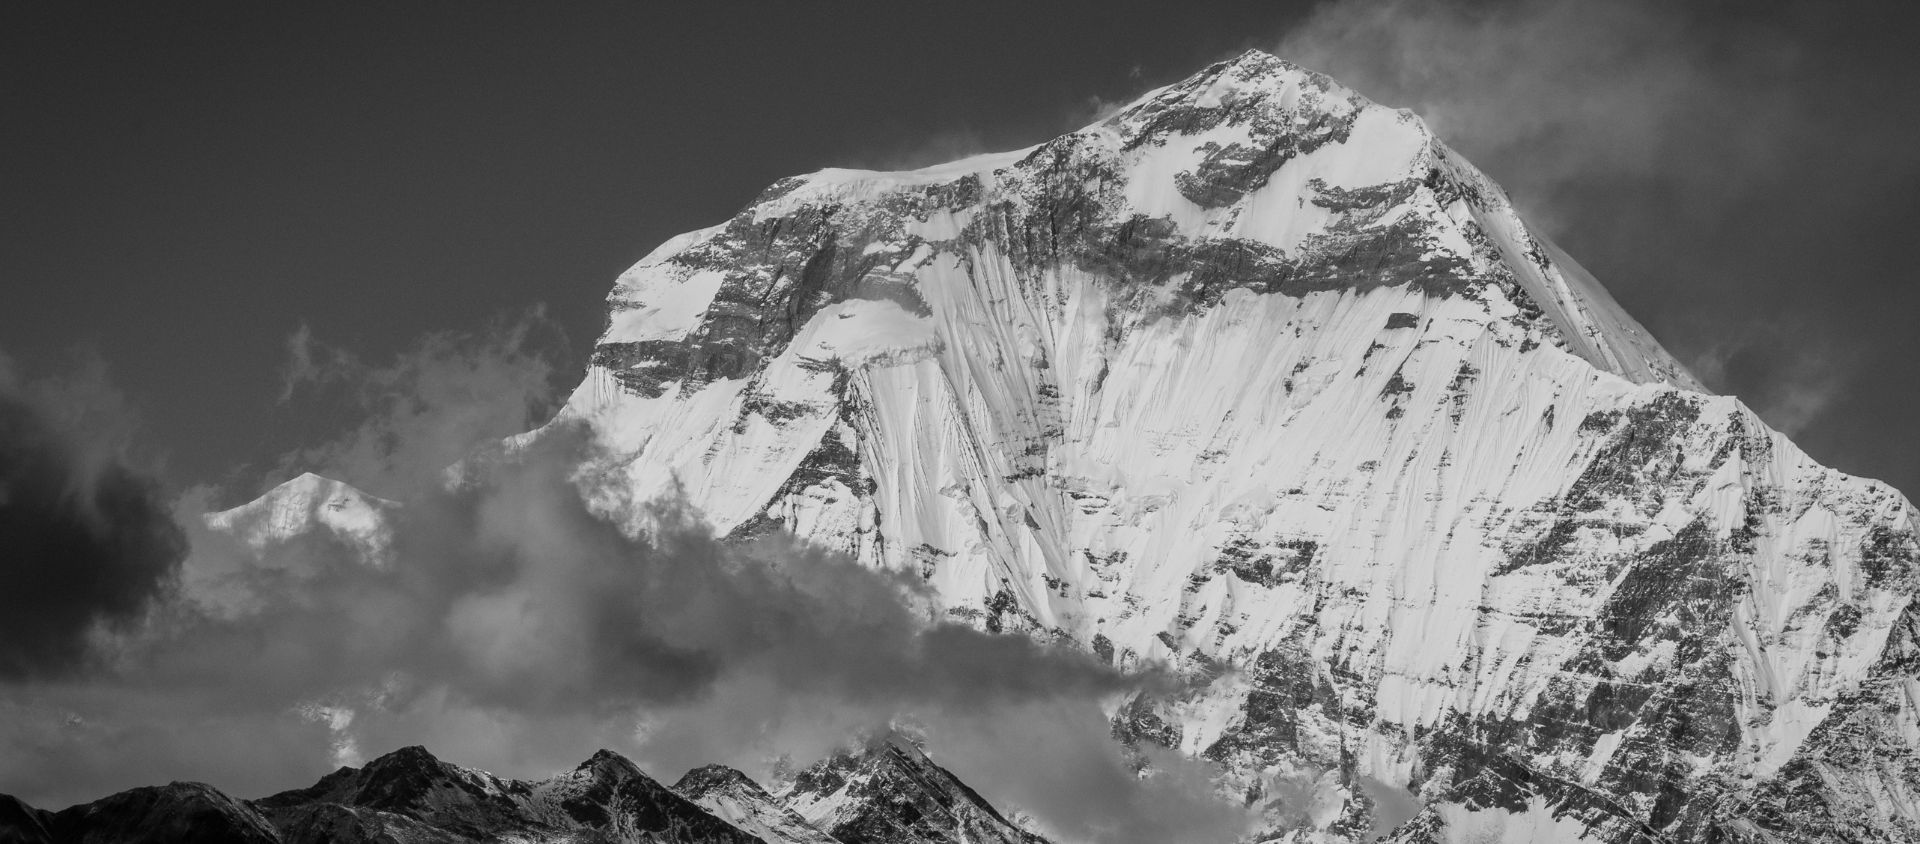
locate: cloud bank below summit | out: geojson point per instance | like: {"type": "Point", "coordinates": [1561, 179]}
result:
{"type": "Point", "coordinates": [516, 630]}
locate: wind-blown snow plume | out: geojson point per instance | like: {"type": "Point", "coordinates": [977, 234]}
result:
{"type": "Point", "coordinates": [1547, 94]}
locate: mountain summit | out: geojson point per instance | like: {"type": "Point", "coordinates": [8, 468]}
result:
{"type": "Point", "coordinates": [1257, 373]}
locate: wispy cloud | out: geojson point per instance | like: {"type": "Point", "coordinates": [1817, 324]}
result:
{"type": "Point", "coordinates": [1549, 93]}
{"type": "Point", "coordinates": [433, 404]}
{"type": "Point", "coordinates": [1795, 372]}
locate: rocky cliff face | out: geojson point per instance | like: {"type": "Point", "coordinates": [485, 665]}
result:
{"type": "Point", "coordinates": [1259, 378]}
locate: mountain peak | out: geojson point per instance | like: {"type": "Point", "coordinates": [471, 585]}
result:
{"type": "Point", "coordinates": [409, 794]}
{"type": "Point", "coordinates": [890, 791]}
{"type": "Point", "coordinates": [734, 797]}
{"type": "Point", "coordinates": [609, 762]}
{"type": "Point", "coordinates": [411, 758]}
{"type": "Point", "coordinates": [1257, 65]}
{"type": "Point", "coordinates": [709, 778]}
{"type": "Point", "coordinates": [1274, 99]}
{"type": "Point", "coordinates": [1256, 57]}
{"type": "Point", "coordinates": [410, 754]}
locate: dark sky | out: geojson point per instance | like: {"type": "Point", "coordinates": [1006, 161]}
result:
{"type": "Point", "coordinates": [187, 184]}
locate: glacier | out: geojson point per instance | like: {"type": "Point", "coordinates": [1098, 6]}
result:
{"type": "Point", "coordinates": [1259, 379]}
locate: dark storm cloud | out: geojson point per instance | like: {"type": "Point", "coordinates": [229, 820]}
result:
{"type": "Point", "coordinates": [1733, 172]}
{"type": "Point", "coordinates": [87, 543]}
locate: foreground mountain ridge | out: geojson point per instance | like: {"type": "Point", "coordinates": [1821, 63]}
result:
{"type": "Point", "coordinates": [1258, 375]}
{"type": "Point", "coordinates": [411, 796]}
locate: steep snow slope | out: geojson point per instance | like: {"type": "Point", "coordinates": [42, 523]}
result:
{"type": "Point", "coordinates": [1258, 374]}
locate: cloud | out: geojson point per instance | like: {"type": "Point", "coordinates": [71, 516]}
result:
{"type": "Point", "coordinates": [87, 541]}
{"type": "Point", "coordinates": [1058, 761]}
{"type": "Point", "coordinates": [450, 394]}
{"type": "Point", "coordinates": [310, 362]}
{"type": "Point", "coordinates": [512, 591]}
{"type": "Point", "coordinates": [514, 628]}
{"type": "Point", "coordinates": [1794, 382]}
{"type": "Point", "coordinates": [923, 148]}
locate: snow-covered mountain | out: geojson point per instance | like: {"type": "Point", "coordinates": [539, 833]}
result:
{"type": "Point", "coordinates": [882, 791]}
{"type": "Point", "coordinates": [887, 792]}
{"type": "Point", "coordinates": [411, 795]}
{"type": "Point", "coordinates": [1257, 374]}
{"type": "Point", "coordinates": [309, 504]}
{"type": "Point", "coordinates": [733, 796]}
